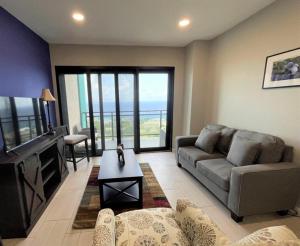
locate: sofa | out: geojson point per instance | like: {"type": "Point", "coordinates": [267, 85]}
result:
{"type": "Point", "coordinates": [249, 172]}
{"type": "Point", "coordinates": [188, 225]}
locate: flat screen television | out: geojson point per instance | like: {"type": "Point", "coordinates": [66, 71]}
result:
{"type": "Point", "coordinates": [21, 120]}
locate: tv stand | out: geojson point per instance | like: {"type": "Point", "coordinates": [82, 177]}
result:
{"type": "Point", "coordinates": [29, 178]}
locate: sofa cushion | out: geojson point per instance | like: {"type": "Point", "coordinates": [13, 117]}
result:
{"type": "Point", "coordinates": [243, 151]}
{"type": "Point", "coordinates": [156, 226]}
{"type": "Point", "coordinates": [271, 147]}
{"type": "Point", "coordinates": [193, 154]}
{"type": "Point", "coordinates": [217, 170]}
{"type": "Point", "coordinates": [207, 140]}
{"type": "Point", "coordinates": [225, 139]}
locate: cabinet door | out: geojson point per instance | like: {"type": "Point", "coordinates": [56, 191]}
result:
{"type": "Point", "coordinates": [32, 186]}
{"type": "Point", "coordinates": [62, 157]}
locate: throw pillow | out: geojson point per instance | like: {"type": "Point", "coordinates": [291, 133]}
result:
{"type": "Point", "coordinates": [207, 140]}
{"type": "Point", "coordinates": [199, 229]}
{"type": "Point", "coordinates": [225, 140]}
{"type": "Point", "coordinates": [243, 151]}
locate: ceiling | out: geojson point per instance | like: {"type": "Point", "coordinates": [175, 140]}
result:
{"type": "Point", "coordinates": [132, 22]}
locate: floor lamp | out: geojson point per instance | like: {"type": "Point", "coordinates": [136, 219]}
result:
{"type": "Point", "coordinates": [47, 97]}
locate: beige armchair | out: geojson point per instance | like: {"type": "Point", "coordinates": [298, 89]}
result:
{"type": "Point", "coordinates": [187, 226]}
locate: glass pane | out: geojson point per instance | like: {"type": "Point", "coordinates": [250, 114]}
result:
{"type": "Point", "coordinates": [153, 100]}
{"type": "Point", "coordinates": [97, 109]}
{"type": "Point", "coordinates": [126, 100]}
{"type": "Point", "coordinates": [26, 118]}
{"type": "Point", "coordinates": [76, 105]}
{"type": "Point", "coordinates": [109, 110]}
{"type": "Point", "coordinates": [7, 123]}
{"type": "Point", "coordinates": [27, 124]}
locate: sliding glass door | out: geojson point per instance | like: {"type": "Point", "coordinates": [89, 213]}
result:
{"type": "Point", "coordinates": [153, 106]}
{"type": "Point", "coordinates": [132, 106]}
{"type": "Point", "coordinates": [97, 113]}
{"type": "Point", "coordinates": [127, 109]}
{"type": "Point", "coordinates": [109, 110]}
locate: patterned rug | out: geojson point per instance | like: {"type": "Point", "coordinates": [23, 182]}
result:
{"type": "Point", "coordinates": [90, 203]}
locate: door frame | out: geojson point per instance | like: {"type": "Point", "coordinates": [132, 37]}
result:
{"type": "Point", "coordinates": [88, 70]}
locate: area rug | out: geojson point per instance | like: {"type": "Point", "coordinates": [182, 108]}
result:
{"type": "Point", "coordinates": [153, 196]}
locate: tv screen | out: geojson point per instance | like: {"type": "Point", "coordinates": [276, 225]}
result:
{"type": "Point", "coordinates": [21, 120]}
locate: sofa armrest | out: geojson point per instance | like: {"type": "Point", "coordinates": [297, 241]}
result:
{"type": "Point", "coordinates": [261, 188]}
{"type": "Point", "coordinates": [183, 141]}
{"type": "Point", "coordinates": [104, 234]}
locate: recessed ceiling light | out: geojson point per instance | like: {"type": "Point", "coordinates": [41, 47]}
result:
{"type": "Point", "coordinates": [184, 22]}
{"type": "Point", "coordinates": [78, 16]}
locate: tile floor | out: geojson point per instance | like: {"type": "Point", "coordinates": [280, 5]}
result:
{"type": "Point", "coordinates": [54, 228]}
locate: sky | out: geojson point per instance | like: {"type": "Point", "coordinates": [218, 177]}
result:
{"type": "Point", "coordinates": [152, 87]}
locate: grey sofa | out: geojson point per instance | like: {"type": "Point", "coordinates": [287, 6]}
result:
{"type": "Point", "coordinates": [271, 183]}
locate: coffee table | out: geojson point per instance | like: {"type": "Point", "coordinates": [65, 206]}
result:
{"type": "Point", "coordinates": [120, 185]}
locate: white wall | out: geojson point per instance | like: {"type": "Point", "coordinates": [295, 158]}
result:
{"type": "Point", "coordinates": [237, 67]}
{"type": "Point", "coordinates": [93, 55]}
{"type": "Point", "coordinates": [196, 78]}
{"type": "Point", "coordinates": [188, 90]}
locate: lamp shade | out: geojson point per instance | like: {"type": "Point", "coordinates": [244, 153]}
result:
{"type": "Point", "coordinates": [47, 96]}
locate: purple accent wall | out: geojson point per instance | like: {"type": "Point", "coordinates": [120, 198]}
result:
{"type": "Point", "coordinates": [24, 60]}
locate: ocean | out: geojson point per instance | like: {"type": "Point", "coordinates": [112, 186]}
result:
{"type": "Point", "coordinates": [128, 106]}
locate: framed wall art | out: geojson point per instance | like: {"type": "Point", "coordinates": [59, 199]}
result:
{"type": "Point", "coordinates": [282, 70]}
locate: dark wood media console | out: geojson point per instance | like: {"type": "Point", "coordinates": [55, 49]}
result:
{"type": "Point", "coordinates": [29, 177]}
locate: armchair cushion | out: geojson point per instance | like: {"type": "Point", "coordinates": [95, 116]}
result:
{"type": "Point", "coordinates": [207, 140]}
{"type": "Point", "coordinates": [104, 234]}
{"type": "Point", "coordinates": [243, 151]}
{"type": "Point", "coordinates": [199, 229]}
{"type": "Point", "coordinates": [155, 226]}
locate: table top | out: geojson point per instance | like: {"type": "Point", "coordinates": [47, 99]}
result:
{"type": "Point", "coordinates": [112, 169]}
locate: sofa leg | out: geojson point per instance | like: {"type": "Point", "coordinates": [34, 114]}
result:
{"type": "Point", "coordinates": [236, 218]}
{"type": "Point", "coordinates": [283, 212]}
{"type": "Point", "coordinates": [179, 165]}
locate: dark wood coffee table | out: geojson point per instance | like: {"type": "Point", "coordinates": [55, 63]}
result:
{"type": "Point", "coordinates": [120, 185]}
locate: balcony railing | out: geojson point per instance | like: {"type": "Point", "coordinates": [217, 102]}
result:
{"type": "Point", "coordinates": [128, 117]}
